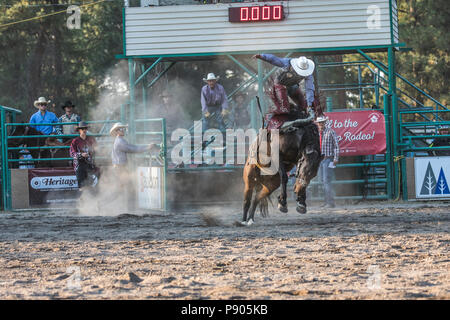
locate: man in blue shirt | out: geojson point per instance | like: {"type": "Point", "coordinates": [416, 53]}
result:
{"type": "Point", "coordinates": [294, 71]}
{"type": "Point", "coordinates": [44, 116]}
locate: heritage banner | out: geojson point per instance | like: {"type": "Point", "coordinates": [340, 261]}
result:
{"type": "Point", "coordinates": [359, 133]}
{"type": "Point", "coordinates": [52, 186]}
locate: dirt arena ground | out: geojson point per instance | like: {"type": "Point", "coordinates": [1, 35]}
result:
{"type": "Point", "coordinates": [376, 250]}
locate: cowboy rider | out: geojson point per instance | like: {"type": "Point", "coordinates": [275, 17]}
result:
{"type": "Point", "coordinates": [286, 83]}
{"type": "Point", "coordinates": [293, 72]}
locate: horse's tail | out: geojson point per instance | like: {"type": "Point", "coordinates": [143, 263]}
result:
{"type": "Point", "coordinates": [264, 203]}
{"type": "Point", "coordinates": [264, 206]}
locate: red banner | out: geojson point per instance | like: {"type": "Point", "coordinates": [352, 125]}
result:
{"type": "Point", "coordinates": [52, 186]}
{"type": "Point", "coordinates": [359, 133]}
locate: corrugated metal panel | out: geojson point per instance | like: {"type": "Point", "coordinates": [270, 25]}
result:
{"type": "Point", "coordinates": [395, 20]}
{"type": "Point", "coordinates": [199, 29]}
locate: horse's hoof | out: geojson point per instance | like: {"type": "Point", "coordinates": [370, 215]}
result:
{"type": "Point", "coordinates": [282, 208]}
{"type": "Point", "coordinates": [240, 224]}
{"type": "Point", "coordinates": [250, 222]}
{"type": "Point", "coordinates": [301, 209]}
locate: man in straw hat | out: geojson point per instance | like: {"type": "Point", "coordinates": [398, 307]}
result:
{"type": "Point", "coordinates": [82, 151]}
{"type": "Point", "coordinates": [44, 116]}
{"type": "Point", "coordinates": [119, 157]}
{"type": "Point", "coordinates": [214, 103]}
{"type": "Point", "coordinates": [329, 146]}
{"type": "Point", "coordinates": [69, 116]}
{"type": "Point", "coordinates": [121, 146]}
{"type": "Point", "coordinates": [294, 70]}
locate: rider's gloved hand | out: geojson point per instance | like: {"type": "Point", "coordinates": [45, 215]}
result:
{"type": "Point", "coordinates": [207, 114]}
{"type": "Point", "coordinates": [225, 112]}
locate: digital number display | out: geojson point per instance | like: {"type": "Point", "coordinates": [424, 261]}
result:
{"type": "Point", "coordinates": [256, 13]}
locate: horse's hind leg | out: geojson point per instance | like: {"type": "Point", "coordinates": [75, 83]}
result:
{"type": "Point", "coordinates": [282, 203]}
{"type": "Point", "coordinates": [261, 194]}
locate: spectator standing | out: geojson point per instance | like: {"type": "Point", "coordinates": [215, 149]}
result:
{"type": "Point", "coordinates": [214, 103]}
{"type": "Point", "coordinates": [329, 147]}
{"type": "Point", "coordinates": [44, 116]}
{"type": "Point", "coordinates": [82, 151]}
{"type": "Point", "coordinates": [69, 116]}
{"type": "Point", "coordinates": [241, 116]}
{"type": "Point", "coordinates": [173, 113]}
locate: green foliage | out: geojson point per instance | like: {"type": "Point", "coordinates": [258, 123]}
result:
{"type": "Point", "coordinates": [45, 58]}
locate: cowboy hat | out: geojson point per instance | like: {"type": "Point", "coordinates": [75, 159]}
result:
{"type": "Point", "coordinates": [303, 66]}
{"type": "Point", "coordinates": [322, 119]}
{"type": "Point", "coordinates": [41, 100]}
{"type": "Point", "coordinates": [211, 76]}
{"type": "Point", "coordinates": [82, 125]}
{"type": "Point", "coordinates": [116, 126]}
{"type": "Point", "coordinates": [68, 104]}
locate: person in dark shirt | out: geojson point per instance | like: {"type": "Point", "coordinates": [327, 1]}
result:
{"type": "Point", "coordinates": [441, 142]}
{"type": "Point", "coordinates": [82, 152]}
{"type": "Point", "coordinates": [241, 116]}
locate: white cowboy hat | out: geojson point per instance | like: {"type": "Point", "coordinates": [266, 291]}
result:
{"type": "Point", "coordinates": [41, 100]}
{"type": "Point", "coordinates": [117, 126]}
{"type": "Point", "coordinates": [211, 76]}
{"type": "Point", "coordinates": [303, 66]}
{"type": "Point", "coordinates": [321, 119]}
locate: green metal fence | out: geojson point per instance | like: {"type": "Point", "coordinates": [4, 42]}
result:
{"type": "Point", "coordinates": [5, 112]}
{"type": "Point", "coordinates": [7, 161]}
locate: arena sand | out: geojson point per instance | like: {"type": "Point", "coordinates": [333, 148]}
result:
{"type": "Point", "coordinates": [376, 250]}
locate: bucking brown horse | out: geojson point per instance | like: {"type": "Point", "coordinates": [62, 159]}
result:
{"type": "Point", "coordinates": [298, 142]}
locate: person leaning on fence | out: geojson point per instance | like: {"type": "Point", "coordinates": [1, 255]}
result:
{"type": "Point", "coordinates": [69, 116]}
{"type": "Point", "coordinates": [44, 116]}
{"type": "Point", "coordinates": [329, 146]}
{"type": "Point", "coordinates": [214, 103]}
{"type": "Point", "coordinates": [82, 151]}
{"type": "Point", "coordinates": [441, 142]}
{"type": "Point", "coordinates": [119, 158]}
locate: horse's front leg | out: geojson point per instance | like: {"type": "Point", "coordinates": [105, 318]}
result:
{"type": "Point", "coordinates": [282, 202]}
{"type": "Point", "coordinates": [248, 192]}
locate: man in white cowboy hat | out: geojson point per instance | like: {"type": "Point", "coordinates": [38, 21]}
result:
{"type": "Point", "coordinates": [69, 116]}
{"type": "Point", "coordinates": [329, 146]}
{"type": "Point", "coordinates": [293, 72]}
{"type": "Point", "coordinates": [214, 103]}
{"type": "Point", "coordinates": [44, 116]}
{"type": "Point", "coordinates": [119, 153]}
{"type": "Point", "coordinates": [121, 146]}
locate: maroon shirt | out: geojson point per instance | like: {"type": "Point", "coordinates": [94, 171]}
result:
{"type": "Point", "coordinates": [79, 146]}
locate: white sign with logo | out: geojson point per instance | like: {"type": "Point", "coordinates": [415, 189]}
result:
{"type": "Point", "coordinates": [432, 176]}
{"type": "Point", "coordinates": [150, 187]}
{"type": "Point", "coordinates": [54, 182]}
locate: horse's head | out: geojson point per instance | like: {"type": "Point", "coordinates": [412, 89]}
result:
{"type": "Point", "coordinates": [16, 131]}
{"type": "Point", "coordinates": [25, 131]}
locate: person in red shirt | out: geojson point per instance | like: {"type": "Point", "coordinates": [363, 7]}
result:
{"type": "Point", "coordinates": [82, 152]}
